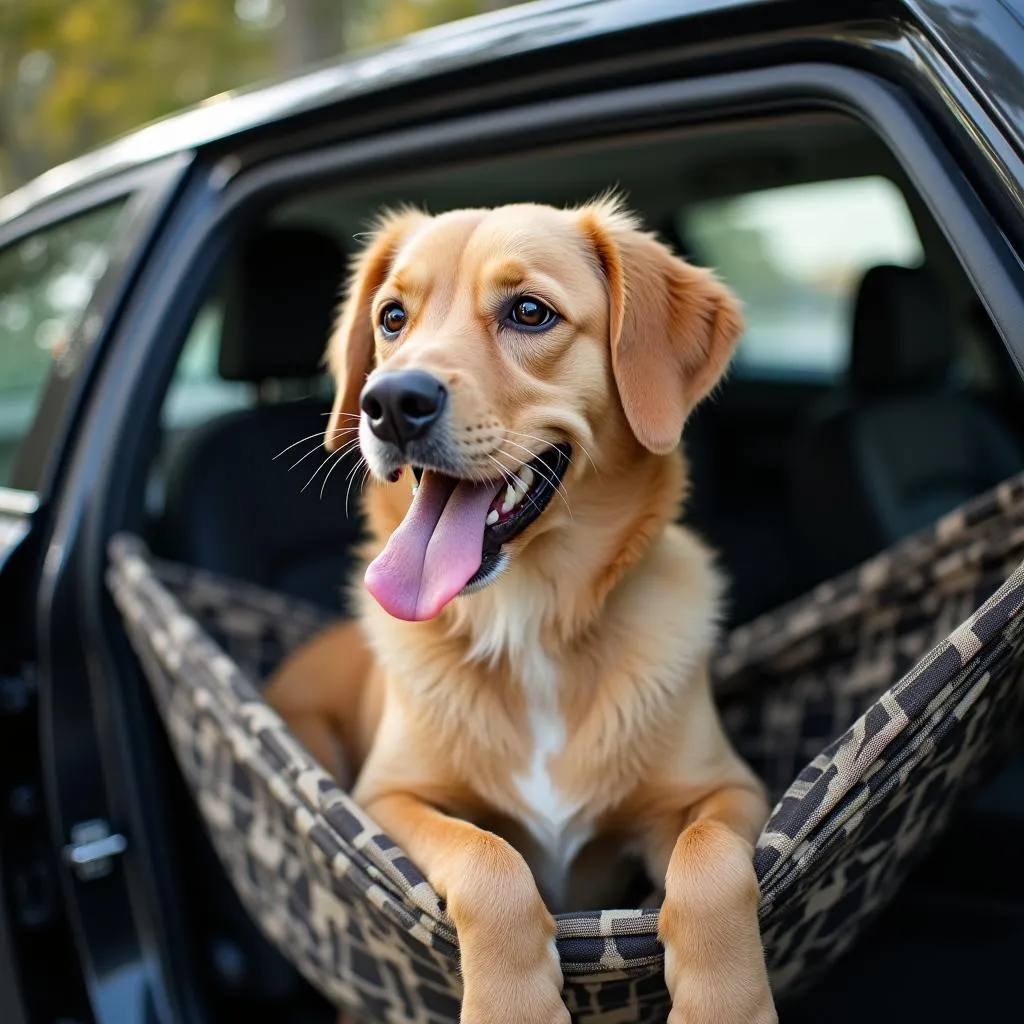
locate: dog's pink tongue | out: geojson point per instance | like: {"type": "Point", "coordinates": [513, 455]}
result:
{"type": "Point", "coordinates": [435, 551]}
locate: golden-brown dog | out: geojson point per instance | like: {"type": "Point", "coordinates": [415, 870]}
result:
{"type": "Point", "coordinates": [525, 694]}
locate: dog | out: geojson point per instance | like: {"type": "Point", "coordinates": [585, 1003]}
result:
{"type": "Point", "coordinates": [523, 697]}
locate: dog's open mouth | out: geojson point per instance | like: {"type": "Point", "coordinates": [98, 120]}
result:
{"type": "Point", "coordinates": [451, 538]}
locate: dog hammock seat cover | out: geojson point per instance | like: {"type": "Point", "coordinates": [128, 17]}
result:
{"type": "Point", "coordinates": [870, 707]}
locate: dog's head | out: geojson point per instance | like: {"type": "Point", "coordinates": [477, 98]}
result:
{"type": "Point", "coordinates": [506, 356]}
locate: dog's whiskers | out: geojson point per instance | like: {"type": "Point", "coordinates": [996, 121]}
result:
{"type": "Point", "coordinates": [316, 471]}
{"type": "Point", "coordinates": [314, 451]}
{"type": "Point", "coordinates": [555, 483]}
{"type": "Point", "coordinates": [533, 437]}
{"type": "Point", "coordinates": [319, 443]}
{"type": "Point", "coordinates": [316, 448]}
{"type": "Point", "coordinates": [509, 478]}
{"type": "Point", "coordinates": [340, 457]}
{"type": "Point", "coordinates": [351, 477]}
{"type": "Point", "coordinates": [344, 448]}
{"type": "Point", "coordinates": [506, 473]}
{"type": "Point", "coordinates": [294, 444]}
{"type": "Point", "coordinates": [543, 476]}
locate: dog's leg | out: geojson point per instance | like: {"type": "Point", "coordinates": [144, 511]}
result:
{"type": "Point", "coordinates": [321, 691]}
{"type": "Point", "coordinates": [510, 968]}
{"type": "Point", "coordinates": [714, 961]}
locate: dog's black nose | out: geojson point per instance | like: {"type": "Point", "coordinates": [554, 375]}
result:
{"type": "Point", "coordinates": [403, 405]}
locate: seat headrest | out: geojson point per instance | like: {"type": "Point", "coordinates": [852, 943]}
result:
{"type": "Point", "coordinates": [282, 298]}
{"type": "Point", "coordinates": [903, 338]}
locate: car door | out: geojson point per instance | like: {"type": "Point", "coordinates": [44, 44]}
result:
{"type": "Point", "coordinates": [64, 265]}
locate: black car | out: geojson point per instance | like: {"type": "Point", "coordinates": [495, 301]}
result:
{"type": "Point", "coordinates": [854, 170]}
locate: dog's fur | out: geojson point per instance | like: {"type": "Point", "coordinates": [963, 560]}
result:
{"type": "Point", "coordinates": [536, 735]}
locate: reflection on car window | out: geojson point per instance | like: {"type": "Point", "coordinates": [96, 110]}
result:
{"type": "Point", "coordinates": [46, 281]}
{"type": "Point", "coordinates": [796, 255]}
{"type": "Point", "coordinates": [198, 392]}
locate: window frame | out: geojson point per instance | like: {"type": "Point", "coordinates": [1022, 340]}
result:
{"type": "Point", "coordinates": [970, 228]}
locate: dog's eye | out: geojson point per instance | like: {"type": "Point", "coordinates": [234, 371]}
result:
{"type": "Point", "coordinates": [531, 314]}
{"type": "Point", "coordinates": [392, 318]}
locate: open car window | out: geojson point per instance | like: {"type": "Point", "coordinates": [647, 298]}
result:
{"type": "Point", "coordinates": [796, 256]}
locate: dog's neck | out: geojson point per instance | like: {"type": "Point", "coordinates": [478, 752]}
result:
{"type": "Point", "coordinates": [558, 589]}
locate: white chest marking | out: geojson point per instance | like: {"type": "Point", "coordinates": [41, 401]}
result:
{"type": "Point", "coordinates": [549, 815]}
{"type": "Point", "coordinates": [514, 628]}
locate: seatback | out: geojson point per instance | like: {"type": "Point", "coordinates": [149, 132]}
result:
{"type": "Point", "coordinates": [236, 501]}
{"type": "Point", "coordinates": [901, 446]}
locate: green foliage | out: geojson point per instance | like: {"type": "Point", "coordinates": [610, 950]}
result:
{"type": "Point", "coordinates": [76, 73]}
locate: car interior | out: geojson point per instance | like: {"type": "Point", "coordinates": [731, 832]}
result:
{"type": "Point", "coordinates": [870, 395]}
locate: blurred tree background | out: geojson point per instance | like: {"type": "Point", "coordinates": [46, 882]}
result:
{"type": "Point", "coordinates": [76, 73]}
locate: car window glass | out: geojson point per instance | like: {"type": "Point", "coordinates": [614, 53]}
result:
{"type": "Point", "coordinates": [796, 255]}
{"type": "Point", "coordinates": [198, 393]}
{"type": "Point", "coordinates": [46, 281]}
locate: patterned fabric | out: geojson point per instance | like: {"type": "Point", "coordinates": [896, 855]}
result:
{"type": "Point", "coordinates": [869, 707]}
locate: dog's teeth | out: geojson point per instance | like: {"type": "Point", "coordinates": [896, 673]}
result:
{"type": "Point", "coordinates": [492, 517]}
{"type": "Point", "coordinates": [526, 476]}
{"type": "Point", "coordinates": [510, 499]}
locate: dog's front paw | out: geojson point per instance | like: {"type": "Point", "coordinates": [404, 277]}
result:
{"type": "Point", "coordinates": [718, 996]}
{"type": "Point", "coordinates": [701, 1011]}
{"type": "Point", "coordinates": [714, 962]}
{"type": "Point", "coordinates": [516, 1007]}
{"type": "Point", "coordinates": [722, 997]}
{"type": "Point", "coordinates": [527, 995]}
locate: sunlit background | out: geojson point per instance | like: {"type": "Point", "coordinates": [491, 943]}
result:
{"type": "Point", "coordinates": [75, 74]}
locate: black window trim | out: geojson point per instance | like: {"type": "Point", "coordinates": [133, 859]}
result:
{"type": "Point", "coordinates": [67, 206]}
{"type": "Point", "coordinates": [884, 108]}
{"type": "Point", "coordinates": [23, 505]}
{"type": "Point", "coordinates": [105, 481]}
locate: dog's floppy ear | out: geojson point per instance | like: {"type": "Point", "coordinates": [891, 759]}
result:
{"type": "Point", "coordinates": [673, 327]}
{"type": "Point", "coordinates": [350, 350]}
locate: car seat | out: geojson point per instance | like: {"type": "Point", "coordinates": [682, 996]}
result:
{"type": "Point", "coordinates": [901, 446]}
{"type": "Point", "coordinates": [231, 506]}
